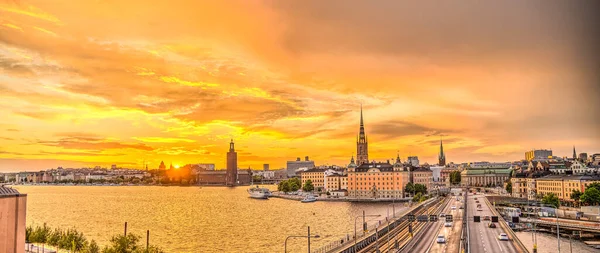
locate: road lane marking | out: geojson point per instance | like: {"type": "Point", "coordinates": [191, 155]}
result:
{"type": "Point", "coordinates": [498, 242]}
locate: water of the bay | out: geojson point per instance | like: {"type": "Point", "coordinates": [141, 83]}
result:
{"type": "Point", "coordinates": [194, 219]}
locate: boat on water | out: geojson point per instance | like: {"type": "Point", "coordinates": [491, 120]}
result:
{"type": "Point", "coordinates": [309, 198]}
{"type": "Point", "coordinates": [259, 193]}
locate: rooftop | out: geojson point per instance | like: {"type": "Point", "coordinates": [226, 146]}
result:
{"type": "Point", "coordinates": [7, 191]}
{"type": "Point", "coordinates": [570, 177]}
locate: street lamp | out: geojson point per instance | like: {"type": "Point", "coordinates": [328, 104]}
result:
{"type": "Point", "coordinates": [557, 224]}
{"type": "Point", "coordinates": [300, 236]}
{"type": "Point", "coordinates": [355, 219]}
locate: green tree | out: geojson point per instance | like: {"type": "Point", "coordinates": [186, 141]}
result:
{"type": "Point", "coordinates": [551, 199]}
{"type": "Point", "coordinates": [591, 196]}
{"type": "Point", "coordinates": [92, 247]}
{"type": "Point", "coordinates": [295, 184]}
{"type": "Point", "coordinates": [123, 244]}
{"type": "Point", "coordinates": [509, 187]}
{"type": "Point", "coordinates": [594, 185]}
{"type": "Point", "coordinates": [308, 186]}
{"type": "Point", "coordinates": [455, 177]}
{"type": "Point", "coordinates": [417, 197]}
{"type": "Point", "coordinates": [420, 188]}
{"type": "Point", "coordinates": [576, 195]}
{"type": "Point", "coordinates": [285, 186]}
{"type": "Point", "coordinates": [410, 188]}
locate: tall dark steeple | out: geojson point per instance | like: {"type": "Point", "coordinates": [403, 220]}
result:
{"type": "Point", "coordinates": [574, 154]}
{"type": "Point", "coordinates": [232, 173]}
{"type": "Point", "coordinates": [362, 147]}
{"type": "Point", "coordinates": [442, 156]}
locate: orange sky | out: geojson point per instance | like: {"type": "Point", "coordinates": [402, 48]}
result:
{"type": "Point", "coordinates": [118, 82]}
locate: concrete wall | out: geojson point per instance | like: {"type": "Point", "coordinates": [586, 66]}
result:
{"type": "Point", "coordinates": [12, 223]}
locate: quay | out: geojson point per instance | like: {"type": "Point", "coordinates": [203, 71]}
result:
{"type": "Point", "coordinates": [342, 199]}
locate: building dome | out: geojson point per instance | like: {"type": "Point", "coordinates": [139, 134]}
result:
{"type": "Point", "coordinates": [398, 164]}
{"type": "Point", "coordinates": [352, 164]}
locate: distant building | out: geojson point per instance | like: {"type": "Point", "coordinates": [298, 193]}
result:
{"type": "Point", "coordinates": [162, 166]}
{"type": "Point", "coordinates": [13, 206]}
{"type": "Point", "coordinates": [206, 166]}
{"type": "Point", "coordinates": [538, 154]}
{"type": "Point", "coordinates": [114, 166]}
{"type": "Point", "coordinates": [377, 180]}
{"type": "Point", "coordinates": [413, 161]}
{"type": "Point", "coordinates": [231, 165]}
{"type": "Point", "coordinates": [442, 156]}
{"type": "Point", "coordinates": [316, 176]}
{"type": "Point", "coordinates": [266, 166]}
{"type": "Point", "coordinates": [423, 176]}
{"type": "Point", "coordinates": [437, 173]}
{"type": "Point", "coordinates": [294, 166]}
{"type": "Point", "coordinates": [563, 185]}
{"type": "Point", "coordinates": [481, 176]}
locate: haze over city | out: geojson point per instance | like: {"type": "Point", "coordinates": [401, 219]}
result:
{"type": "Point", "coordinates": [123, 82]}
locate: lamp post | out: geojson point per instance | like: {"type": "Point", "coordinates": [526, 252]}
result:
{"type": "Point", "coordinates": [557, 224]}
{"type": "Point", "coordinates": [300, 236]}
{"type": "Point", "coordinates": [355, 219]}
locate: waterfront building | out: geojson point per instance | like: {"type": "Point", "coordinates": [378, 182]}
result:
{"type": "Point", "coordinates": [162, 166]}
{"type": "Point", "coordinates": [538, 154]}
{"type": "Point", "coordinates": [442, 156]}
{"type": "Point", "coordinates": [423, 176]}
{"type": "Point", "coordinates": [335, 181]}
{"type": "Point", "coordinates": [231, 176]}
{"type": "Point", "coordinates": [316, 176]}
{"type": "Point", "coordinates": [362, 145]}
{"type": "Point", "coordinates": [480, 176]}
{"type": "Point", "coordinates": [293, 167]}
{"type": "Point", "coordinates": [13, 206]}
{"type": "Point", "coordinates": [563, 185]}
{"type": "Point", "coordinates": [377, 180]}
{"type": "Point", "coordinates": [206, 166]}
{"type": "Point", "coordinates": [413, 161]}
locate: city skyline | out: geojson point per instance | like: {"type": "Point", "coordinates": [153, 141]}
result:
{"type": "Point", "coordinates": [175, 83]}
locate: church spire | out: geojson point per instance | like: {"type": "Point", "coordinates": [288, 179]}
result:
{"type": "Point", "coordinates": [442, 156]}
{"type": "Point", "coordinates": [574, 153]}
{"type": "Point", "coordinates": [361, 142]}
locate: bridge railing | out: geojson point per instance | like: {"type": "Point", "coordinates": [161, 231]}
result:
{"type": "Point", "coordinates": [561, 224]}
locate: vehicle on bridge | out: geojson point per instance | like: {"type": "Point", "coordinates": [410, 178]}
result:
{"type": "Point", "coordinates": [503, 237]}
{"type": "Point", "coordinates": [487, 217]}
{"type": "Point", "coordinates": [448, 224]}
{"type": "Point", "coordinates": [491, 225]}
{"type": "Point", "coordinates": [441, 239]}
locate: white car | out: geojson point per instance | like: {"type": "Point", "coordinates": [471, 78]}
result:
{"type": "Point", "coordinates": [448, 224]}
{"type": "Point", "coordinates": [441, 239]}
{"type": "Point", "coordinates": [453, 208]}
{"type": "Point", "coordinates": [442, 215]}
{"type": "Point", "coordinates": [503, 237]}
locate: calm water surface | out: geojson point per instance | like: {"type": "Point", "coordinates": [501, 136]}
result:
{"type": "Point", "coordinates": [193, 219]}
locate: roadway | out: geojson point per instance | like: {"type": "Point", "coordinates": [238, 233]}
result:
{"type": "Point", "coordinates": [482, 238]}
{"type": "Point", "coordinates": [452, 234]}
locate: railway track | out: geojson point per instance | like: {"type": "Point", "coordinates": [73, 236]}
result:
{"type": "Point", "coordinates": [398, 234]}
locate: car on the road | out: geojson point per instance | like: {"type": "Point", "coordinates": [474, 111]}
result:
{"type": "Point", "coordinates": [441, 239]}
{"type": "Point", "coordinates": [491, 225]}
{"type": "Point", "coordinates": [453, 207]}
{"type": "Point", "coordinates": [448, 224]}
{"type": "Point", "coordinates": [503, 237]}
{"type": "Point", "coordinates": [461, 207]}
{"type": "Point", "coordinates": [487, 217]}
{"type": "Point", "coordinates": [442, 215]}
{"type": "Point", "coordinates": [475, 198]}
{"type": "Point", "coordinates": [479, 209]}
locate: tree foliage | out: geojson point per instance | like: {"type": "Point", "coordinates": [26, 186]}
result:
{"type": "Point", "coordinates": [591, 196]}
{"type": "Point", "coordinates": [593, 185]}
{"type": "Point", "coordinates": [551, 199]}
{"type": "Point", "coordinates": [410, 188]}
{"type": "Point", "coordinates": [576, 195]}
{"type": "Point", "coordinates": [308, 186]}
{"type": "Point", "coordinates": [509, 187]}
{"type": "Point", "coordinates": [455, 177]}
{"type": "Point", "coordinates": [74, 241]}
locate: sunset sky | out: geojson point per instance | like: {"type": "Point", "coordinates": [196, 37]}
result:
{"type": "Point", "coordinates": [100, 82]}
